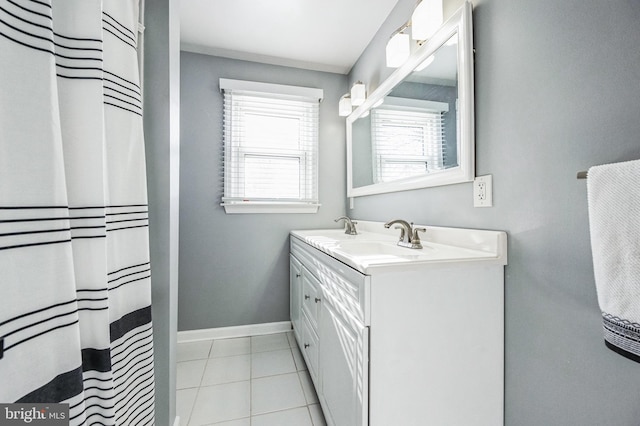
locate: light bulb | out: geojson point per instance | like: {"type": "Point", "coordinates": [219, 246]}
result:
{"type": "Point", "coordinates": [358, 94]}
{"type": "Point", "coordinates": [398, 50]}
{"type": "Point", "coordinates": [344, 106]}
{"type": "Point", "coordinates": [426, 19]}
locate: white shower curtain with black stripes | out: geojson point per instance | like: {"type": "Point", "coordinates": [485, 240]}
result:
{"type": "Point", "coordinates": [75, 299]}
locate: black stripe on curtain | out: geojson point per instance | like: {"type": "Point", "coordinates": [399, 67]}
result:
{"type": "Point", "coordinates": [61, 388]}
{"type": "Point", "coordinates": [130, 321]}
{"type": "Point", "coordinates": [96, 360]}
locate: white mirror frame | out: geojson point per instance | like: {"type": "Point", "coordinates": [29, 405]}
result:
{"type": "Point", "coordinates": [459, 23]}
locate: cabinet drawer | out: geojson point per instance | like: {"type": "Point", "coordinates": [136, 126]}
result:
{"type": "Point", "coordinates": [310, 296]}
{"type": "Point", "coordinates": [309, 347]}
{"type": "Point", "coordinates": [345, 283]}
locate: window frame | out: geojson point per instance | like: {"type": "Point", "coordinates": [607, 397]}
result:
{"type": "Point", "coordinates": [234, 152]}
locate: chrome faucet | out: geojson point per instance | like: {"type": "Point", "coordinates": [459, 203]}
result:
{"type": "Point", "coordinates": [349, 225]}
{"type": "Point", "coordinates": [408, 234]}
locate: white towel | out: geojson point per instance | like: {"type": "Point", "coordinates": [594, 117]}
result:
{"type": "Point", "coordinates": [614, 221]}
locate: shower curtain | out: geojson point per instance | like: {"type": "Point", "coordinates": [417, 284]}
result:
{"type": "Point", "coordinates": [75, 299]}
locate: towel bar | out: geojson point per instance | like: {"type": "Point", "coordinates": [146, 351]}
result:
{"type": "Point", "coordinates": [582, 175]}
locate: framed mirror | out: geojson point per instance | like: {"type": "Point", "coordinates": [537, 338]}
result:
{"type": "Point", "coordinates": [416, 130]}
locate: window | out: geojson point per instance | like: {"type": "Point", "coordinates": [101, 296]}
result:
{"type": "Point", "coordinates": [270, 147]}
{"type": "Point", "coordinates": [408, 140]}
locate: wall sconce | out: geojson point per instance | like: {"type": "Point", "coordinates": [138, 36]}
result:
{"type": "Point", "coordinates": [398, 48]}
{"type": "Point", "coordinates": [344, 106]}
{"type": "Point", "coordinates": [356, 96]}
{"type": "Point", "coordinates": [426, 19]}
{"type": "Point", "coordinates": [358, 93]}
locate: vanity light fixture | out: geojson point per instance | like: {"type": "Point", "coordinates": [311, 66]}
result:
{"type": "Point", "coordinates": [358, 93]}
{"type": "Point", "coordinates": [398, 48]}
{"type": "Point", "coordinates": [426, 19]}
{"type": "Point", "coordinates": [345, 106]}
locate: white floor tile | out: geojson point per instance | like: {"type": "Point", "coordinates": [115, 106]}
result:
{"type": "Point", "coordinates": [226, 370]}
{"type": "Point", "coordinates": [316, 415]}
{"type": "Point", "coordinates": [230, 347]}
{"type": "Point", "coordinates": [189, 373]}
{"type": "Point", "coordinates": [297, 358]}
{"type": "Point", "coordinates": [230, 401]}
{"type": "Point", "coordinates": [296, 417]}
{"type": "Point", "coordinates": [307, 387]}
{"type": "Point", "coordinates": [240, 422]}
{"type": "Point", "coordinates": [190, 351]}
{"type": "Point", "coordinates": [185, 398]}
{"type": "Point", "coordinates": [225, 381]}
{"type": "Point", "coordinates": [271, 363]}
{"type": "Point", "coordinates": [276, 393]}
{"type": "Point", "coordinates": [292, 338]}
{"type": "Point", "coordinates": [269, 342]}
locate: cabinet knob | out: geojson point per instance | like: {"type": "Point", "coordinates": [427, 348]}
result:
{"type": "Point", "coordinates": [307, 297]}
{"type": "Point", "coordinates": [306, 345]}
{"type": "Point", "coordinates": [317, 300]}
{"type": "Point", "coordinates": [298, 275]}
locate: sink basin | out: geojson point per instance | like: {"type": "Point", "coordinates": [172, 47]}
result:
{"type": "Point", "coordinates": [371, 253]}
{"type": "Point", "coordinates": [379, 248]}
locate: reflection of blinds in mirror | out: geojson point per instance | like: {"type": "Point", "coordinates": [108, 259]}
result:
{"type": "Point", "coordinates": [406, 143]}
{"type": "Point", "coordinates": [271, 148]}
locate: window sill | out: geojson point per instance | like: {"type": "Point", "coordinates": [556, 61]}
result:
{"type": "Point", "coordinates": [244, 207]}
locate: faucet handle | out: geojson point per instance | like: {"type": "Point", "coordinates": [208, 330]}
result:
{"type": "Point", "coordinates": [349, 225]}
{"type": "Point", "coordinates": [415, 238]}
{"type": "Point", "coordinates": [353, 230]}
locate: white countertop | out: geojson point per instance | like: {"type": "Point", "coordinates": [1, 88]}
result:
{"type": "Point", "coordinates": [375, 247]}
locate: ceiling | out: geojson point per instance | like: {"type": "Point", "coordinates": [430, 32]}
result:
{"type": "Point", "coordinates": [322, 35]}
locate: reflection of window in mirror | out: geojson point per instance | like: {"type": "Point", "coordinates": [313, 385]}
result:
{"type": "Point", "coordinates": [408, 140]}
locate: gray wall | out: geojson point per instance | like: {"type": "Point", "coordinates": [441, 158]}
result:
{"type": "Point", "coordinates": [557, 90]}
{"type": "Point", "coordinates": [234, 269]}
{"type": "Point", "coordinates": [161, 127]}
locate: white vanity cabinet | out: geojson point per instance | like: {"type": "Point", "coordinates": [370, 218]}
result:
{"type": "Point", "coordinates": [325, 303]}
{"type": "Point", "coordinates": [411, 344]}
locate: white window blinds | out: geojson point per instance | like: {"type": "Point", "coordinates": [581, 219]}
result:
{"type": "Point", "coordinates": [270, 145]}
{"type": "Point", "coordinates": [406, 142]}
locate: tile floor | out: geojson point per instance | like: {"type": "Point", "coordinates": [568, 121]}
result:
{"type": "Point", "coordinates": [247, 381]}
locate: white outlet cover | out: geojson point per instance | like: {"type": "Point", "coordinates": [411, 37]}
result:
{"type": "Point", "coordinates": [483, 191]}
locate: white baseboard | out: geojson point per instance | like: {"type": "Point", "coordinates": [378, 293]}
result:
{"type": "Point", "coordinates": [230, 332]}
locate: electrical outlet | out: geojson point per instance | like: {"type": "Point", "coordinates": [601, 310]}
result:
{"type": "Point", "coordinates": [483, 191]}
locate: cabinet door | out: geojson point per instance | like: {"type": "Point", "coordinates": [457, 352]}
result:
{"type": "Point", "coordinates": [343, 360]}
{"type": "Point", "coordinates": [295, 297]}
{"type": "Point", "coordinates": [310, 296]}
{"type": "Point", "coordinates": [309, 347]}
